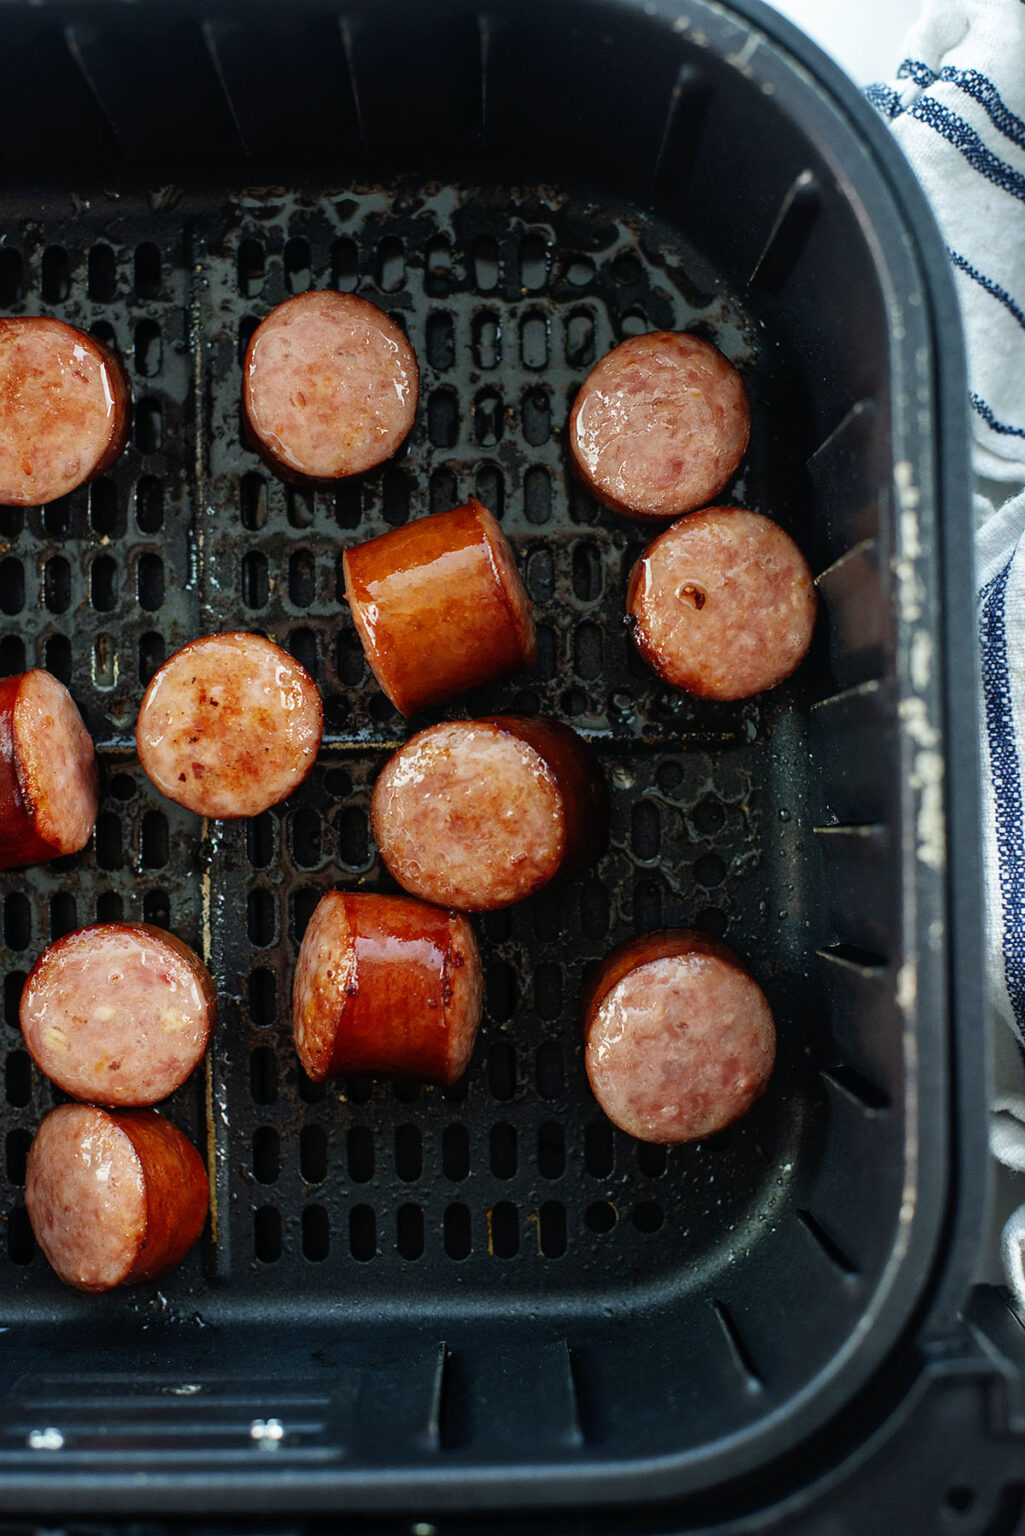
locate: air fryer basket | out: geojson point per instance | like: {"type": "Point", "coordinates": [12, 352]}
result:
{"type": "Point", "coordinates": [421, 1298]}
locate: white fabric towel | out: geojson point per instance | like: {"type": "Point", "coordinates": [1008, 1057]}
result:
{"type": "Point", "coordinates": [957, 108]}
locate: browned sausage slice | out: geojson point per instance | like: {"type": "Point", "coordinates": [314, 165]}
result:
{"type": "Point", "coordinates": [660, 425]}
{"type": "Point", "coordinates": [680, 1041]}
{"type": "Point", "coordinates": [114, 1199]}
{"type": "Point", "coordinates": [48, 779]}
{"type": "Point", "coordinates": [723, 604]}
{"type": "Point", "coordinates": [64, 410]}
{"type": "Point", "coordinates": [439, 606]}
{"type": "Point", "coordinates": [477, 814]}
{"type": "Point", "coordinates": [330, 386]}
{"type": "Point", "coordinates": [386, 984]}
{"type": "Point", "coordinates": [230, 725]}
{"type": "Point", "coordinates": [119, 1013]}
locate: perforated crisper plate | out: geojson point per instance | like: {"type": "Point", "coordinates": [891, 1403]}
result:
{"type": "Point", "coordinates": [512, 1179]}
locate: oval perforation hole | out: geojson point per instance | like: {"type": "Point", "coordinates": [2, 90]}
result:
{"type": "Point", "coordinates": [651, 1159]}
{"type": "Point", "coordinates": [534, 340]}
{"type": "Point", "coordinates": [455, 1152]}
{"type": "Point", "coordinates": [16, 1150]}
{"type": "Point", "coordinates": [302, 905]}
{"type": "Point", "coordinates": [395, 496]}
{"type": "Point", "coordinates": [441, 340]}
{"type": "Point", "coordinates": [362, 1233]}
{"type": "Point", "coordinates": [409, 1231]}
{"type": "Point", "coordinates": [57, 658]}
{"type": "Point", "coordinates": [540, 575]}
{"type": "Point", "coordinates": [149, 349]}
{"type": "Point", "coordinates": [344, 265]}
{"type": "Point", "coordinates": [391, 264]}
{"type": "Point", "coordinates": [102, 274]}
{"type": "Point", "coordinates": [304, 828]}
{"type": "Point", "coordinates": [580, 347]}
{"type": "Point", "coordinates": [551, 1150]}
{"type": "Point", "coordinates": [57, 584]}
{"type": "Point", "coordinates": [262, 997]}
{"type": "Point", "coordinates": [490, 488]}
{"type": "Point", "coordinates": [107, 839]}
{"type": "Point", "coordinates": [266, 1154]}
{"type": "Point", "coordinates": [485, 263]}
{"type": "Point", "coordinates": [151, 656]}
{"type": "Point", "coordinates": [267, 1234]}
{"type": "Point", "coordinates": [503, 1230]}
{"type": "Point", "coordinates": [255, 579]}
{"type": "Point", "coordinates": [438, 266]}
{"type": "Point", "coordinates": [502, 1071]}
{"type": "Point", "coordinates": [408, 1153]}
{"type": "Point", "coordinates": [587, 572]}
{"type": "Point", "coordinates": [63, 914]}
{"type": "Point", "coordinates": [12, 586]}
{"type": "Point", "coordinates": [253, 501]}
{"type": "Point", "coordinates": [102, 583]}
{"type": "Point", "coordinates": [486, 340]}
{"type": "Point", "coordinates": [298, 273]}
{"type": "Point", "coordinates": [14, 982]}
{"type": "Point", "coordinates": [648, 1216]}
{"type": "Point", "coordinates": [156, 909]}
{"type": "Point", "coordinates": [458, 1231]}
{"type": "Point", "coordinates": [645, 829]}
{"type": "Point", "coordinates": [535, 261]}
{"type": "Point", "coordinates": [503, 1150]}
{"type": "Point", "coordinates": [647, 911]}
{"type": "Point", "coordinates": [55, 284]}
{"type": "Point", "coordinates": [18, 1078]}
{"type": "Point", "coordinates": [109, 907]}
{"type": "Point", "coordinates": [12, 651]}
{"type": "Point", "coordinates": [550, 1070]}
{"type": "Point", "coordinates": [150, 579]}
{"type": "Point", "coordinates": [17, 921]}
{"type": "Point", "coordinates": [599, 1149]}
{"type": "Point", "coordinates": [263, 1075]}
{"type": "Point", "coordinates": [634, 323]}
{"type": "Point", "coordinates": [155, 840]}
{"type": "Point", "coordinates": [147, 275]}
{"type": "Point", "coordinates": [313, 1154]}
{"type": "Point", "coordinates": [443, 418]}
{"type": "Point", "coordinates": [359, 1151]}
{"type": "Point", "coordinates": [149, 426]}
{"type": "Point", "coordinates": [309, 1091]}
{"type": "Point", "coordinates": [537, 417]}
{"type": "Point", "coordinates": [349, 505]}
{"type": "Point", "coordinates": [600, 1216]}
{"type": "Point", "coordinates": [260, 918]}
{"type": "Point", "coordinates": [300, 506]}
{"type": "Point", "coordinates": [502, 992]}
{"type": "Point", "coordinates": [488, 418]}
{"type": "Point", "coordinates": [316, 1234]}
{"type": "Point", "coordinates": [21, 1243]}
{"type": "Point", "coordinates": [302, 578]}
{"type": "Point", "coordinates": [551, 1229]}
{"type": "Point", "coordinates": [444, 490]}
{"type": "Point", "coordinates": [149, 505]}
{"type": "Point", "coordinates": [537, 495]}
{"type": "Point", "coordinates": [353, 837]}
{"type": "Point", "coordinates": [260, 840]}
{"type": "Point", "coordinates": [251, 268]}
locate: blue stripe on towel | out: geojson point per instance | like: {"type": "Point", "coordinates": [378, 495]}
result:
{"type": "Point", "coordinates": [979, 405]}
{"type": "Point", "coordinates": [1005, 771]}
{"type": "Point", "coordinates": [957, 132]}
{"type": "Point", "coordinates": [885, 98]}
{"type": "Point", "coordinates": [974, 84]}
{"type": "Point", "coordinates": [998, 293]}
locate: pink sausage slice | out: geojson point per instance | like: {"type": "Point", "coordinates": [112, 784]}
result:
{"type": "Point", "coordinates": [230, 725]}
{"type": "Point", "coordinates": [439, 606]}
{"type": "Point", "coordinates": [723, 604]}
{"type": "Point", "coordinates": [680, 1041]}
{"type": "Point", "coordinates": [49, 790]}
{"type": "Point", "coordinates": [660, 425]}
{"type": "Point", "coordinates": [119, 1013]}
{"type": "Point", "coordinates": [114, 1199]}
{"type": "Point", "coordinates": [477, 814]}
{"type": "Point", "coordinates": [64, 410]}
{"type": "Point", "coordinates": [386, 984]}
{"type": "Point", "coordinates": [330, 386]}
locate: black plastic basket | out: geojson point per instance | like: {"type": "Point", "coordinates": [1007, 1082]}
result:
{"type": "Point", "coordinates": [484, 1298]}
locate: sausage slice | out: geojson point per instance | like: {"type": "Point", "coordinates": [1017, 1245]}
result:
{"type": "Point", "coordinates": [439, 606]}
{"type": "Point", "coordinates": [660, 425]}
{"type": "Point", "coordinates": [114, 1199]}
{"type": "Point", "coordinates": [230, 725]}
{"type": "Point", "coordinates": [386, 984]}
{"type": "Point", "coordinates": [723, 604]}
{"type": "Point", "coordinates": [330, 386]}
{"type": "Point", "coordinates": [49, 785]}
{"type": "Point", "coordinates": [680, 1041]}
{"type": "Point", "coordinates": [477, 814]}
{"type": "Point", "coordinates": [118, 1013]}
{"type": "Point", "coordinates": [64, 410]}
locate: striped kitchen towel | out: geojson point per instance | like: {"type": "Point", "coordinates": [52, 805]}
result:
{"type": "Point", "coordinates": [957, 108]}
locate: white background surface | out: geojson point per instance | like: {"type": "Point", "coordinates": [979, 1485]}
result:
{"type": "Point", "coordinates": [865, 36]}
